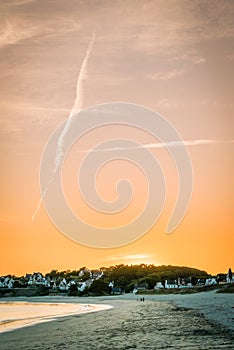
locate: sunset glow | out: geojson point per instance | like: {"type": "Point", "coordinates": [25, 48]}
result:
{"type": "Point", "coordinates": [173, 57]}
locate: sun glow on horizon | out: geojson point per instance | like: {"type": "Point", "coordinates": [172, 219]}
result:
{"type": "Point", "coordinates": [158, 58]}
{"type": "Point", "coordinates": [132, 259]}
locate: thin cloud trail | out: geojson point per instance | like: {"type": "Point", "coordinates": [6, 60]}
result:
{"type": "Point", "coordinates": [77, 107]}
{"type": "Point", "coordinates": [38, 205]}
{"type": "Point", "coordinates": [161, 145]}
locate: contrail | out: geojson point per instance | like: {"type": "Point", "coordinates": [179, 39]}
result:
{"type": "Point", "coordinates": [38, 205]}
{"type": "Point", "coordinates": [160, 145]}
{"type": "Point", "coordinates": [77, 107]}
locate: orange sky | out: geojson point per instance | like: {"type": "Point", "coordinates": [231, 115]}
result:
{"type": "Point", "coordinates": [175, 57]}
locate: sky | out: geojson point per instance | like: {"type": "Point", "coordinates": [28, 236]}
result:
{"type": "Point", "coordinates": [174, 57]}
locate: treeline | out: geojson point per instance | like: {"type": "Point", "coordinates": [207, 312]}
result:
{"type": "Point", "coordinates": [126, 277]}
{"type": "Point", "coordinates": [70, 274]}
{"type": "Point", "coordinates": [123, 277]}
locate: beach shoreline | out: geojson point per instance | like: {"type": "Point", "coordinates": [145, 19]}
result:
{"type": "Point", "coordinates": [185, 322]}
{"type": "Point", "coordinates": [217, 307]}
{"type": "Point", "coordinates": [20, 314]}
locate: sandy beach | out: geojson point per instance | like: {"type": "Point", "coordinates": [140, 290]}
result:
{"type": "Point", "coordinates": [161, 322]}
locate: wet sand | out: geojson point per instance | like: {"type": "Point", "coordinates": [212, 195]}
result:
{"type": "Point", "coordinates": [153, 324]}
{"type": "Point", "coordinates": [18, 314]}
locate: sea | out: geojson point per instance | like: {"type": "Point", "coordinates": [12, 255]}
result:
{"type": "Point", "coordinates": [15, 315]}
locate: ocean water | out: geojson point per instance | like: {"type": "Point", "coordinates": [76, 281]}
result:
{"type": "Point", "coordinates": [15, 315]}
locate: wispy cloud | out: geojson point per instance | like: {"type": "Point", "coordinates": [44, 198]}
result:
{"type": "Point", "coordinates": [11, 33]}
{"type": "Point", "coordinates": [230, 57]}
{"type": "Point", "coordinates": [165, 102]}
{"type": "Point", "coordinates": [171, 74]}
{"type": "Point", "coordinates": [193, 57]}
{"type": "Point", "coordinates": [34, 108]}
{"type": "Point", "coordinates": [181, 26]}
{"type": "Point", "coordinates": [14, 30]}
{"type": "Point", "coordinates": [20, 2]}
{"type": "Point", "coordinates": [198, 60]}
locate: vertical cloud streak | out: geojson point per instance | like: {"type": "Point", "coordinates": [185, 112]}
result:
{"type": "Point", "coordinates": [77, 107]}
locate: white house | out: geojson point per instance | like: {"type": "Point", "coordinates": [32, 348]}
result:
{"type": "Point", "coordinates": [158, 285]}
{"type": "Point", "coordinates": [82, 286]}
{"type": "Point", "coordinates": [141, 286]}
{"type": "Point", "coordinates": [82, 272]}
{"type": "Point", "coordinates": [63, 284]}
{"type": "Point", "coordinates": [171, 284]}
{"type": "Point", "coordinates": [47, 282]}
{"type": "Point", "coordinates": [210, 281]}
{"type": "Point", "coordinates": [6, 282]}
{"type": "Point", "coordinates": [36, 278]}
{"type": "Point", "coordinates": [111, 284]}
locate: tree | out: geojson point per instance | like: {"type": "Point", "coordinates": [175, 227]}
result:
{"type": "Point", "coordinates": [194, 280]}
{"type": "Point", "coordinates": [73, 290]}
{"type": "Point", "coordinates": [86, 276]}
{"type": "Point", "coordinates": [99, 287]}
{"type": "Point", "coordinates": [52, 274]}
{"type": "Point", "coordinates": [42, 290]}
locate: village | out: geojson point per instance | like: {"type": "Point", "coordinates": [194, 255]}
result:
{"type": "Point", "coordinates": [94, 280]}
{"type": "Point", "coordinates": [84, 280]}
